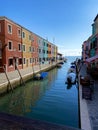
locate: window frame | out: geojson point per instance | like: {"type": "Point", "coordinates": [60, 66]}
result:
{"type": "Point", "coordinates": [24, 60]}
{"type": "Point", "coordinates": [23, 34]}
{"type": "Point", "coordinates": [10, 49]}
{"type": "Point", "coordinates": [20, 61]}
{"type": "Point", "coordinates": [24, 48]}
{"type": "Point", "coordinates": [19, 33]}
{"type": "Point", "coordinates": [19, 47]}
{"type": "Point", "coordinates": [9, 29]}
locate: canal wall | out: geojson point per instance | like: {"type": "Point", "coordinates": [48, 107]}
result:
{"type": "Point", "coordinates": [17, 78]}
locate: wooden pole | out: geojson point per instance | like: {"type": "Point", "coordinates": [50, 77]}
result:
{"type": "Point", "coordinates": [9, 84]}
{"type": "Point", "coordinates": [21, 79]}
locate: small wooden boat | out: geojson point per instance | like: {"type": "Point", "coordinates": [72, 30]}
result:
{"type": "Point", "coordinates": [41, 75]}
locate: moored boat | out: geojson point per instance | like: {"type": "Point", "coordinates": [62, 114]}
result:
{"type": "Point", "coordinates": [41, 75]}
{"type": "Point", "coordinates": [71, 78]}
{"type": "Point", "coordinates": [71, 75]}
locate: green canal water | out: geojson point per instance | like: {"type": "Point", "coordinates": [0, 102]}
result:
{"type": "Point", "coordinates": [48, 100]}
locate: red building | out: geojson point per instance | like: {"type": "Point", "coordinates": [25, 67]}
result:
{"type": "Point", "coordinates": [35, 49]}
{"type": "Point", "coordinates": [11, 44]}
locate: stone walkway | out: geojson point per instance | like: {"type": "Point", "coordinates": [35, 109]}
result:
{"type": "Point", "coordinates": [89, 108]}
{"type": "Point", "coordinates": [93, 108]}
{"type": "Point", "coordinates": [14, 74]}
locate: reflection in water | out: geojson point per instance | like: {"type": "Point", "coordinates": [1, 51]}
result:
{"type": "Point", "coordinates": [69, 86]}
{"type": "Point", "coordinates": [23, 98]}
{"type": "Point", "coordinates": [45, 99]}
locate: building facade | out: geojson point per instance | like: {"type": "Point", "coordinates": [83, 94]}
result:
{"type": "Point", "coordinates": [90, 46]}
{"type": "Point", "coordinates": [11, 41]}
{"type": "Point", "coordinates": [90, 51]}
{"type": "Point", "coordinates": [21, 48]}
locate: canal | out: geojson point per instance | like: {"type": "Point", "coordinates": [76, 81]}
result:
{"type": "Point", "coordinates": [48, 100]}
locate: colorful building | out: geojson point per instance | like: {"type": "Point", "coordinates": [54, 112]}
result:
{"type": "Point", "coordinates": [90, 46]}
{"type": "Point", "coordinates": [90, 51]}
{"type": "Point", "coordinates": [21, 48]}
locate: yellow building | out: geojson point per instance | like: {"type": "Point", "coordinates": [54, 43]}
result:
{"type": "Point", "coordinates": [26, 48]}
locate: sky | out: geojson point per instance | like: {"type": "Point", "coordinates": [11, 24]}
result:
{"type": "Point", "coordinates": [65, 23]}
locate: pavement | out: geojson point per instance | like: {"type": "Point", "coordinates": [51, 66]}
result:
{"type": "Point", "coordinates": [89, 108]}
{"type": "Point", "coordinates": [24, 72]}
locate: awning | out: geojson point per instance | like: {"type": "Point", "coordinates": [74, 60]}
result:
{"type": "Point", "coordinates": [91, 59]}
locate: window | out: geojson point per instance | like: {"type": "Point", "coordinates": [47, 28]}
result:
{"type": "Point", "coordinates": [44, 59]}
{"type": "Point", "coordinates": [33, 49]}
{"type": "Point", "coordinates": [19, 47]}
{"type": "Point", "coordinates": [30, 49]}
{"type": "Point", "coordinates": [29, 37]}
{"type": "Point", "coordinates": [0, 62]}
{"type": "Point", "coordinates": [24, 60]}
{"type": "Point", "coordinates": [23, 48]}
{"type": "Point", "coordinates": [95, 43]}
{"type": "Point", "coordinates": [39, 50]}
{"type": "Point", "coordinates": [10, 46]}
{"type": "Point", "coordinates": [19, 32]}
{"type": "Point", "coordinates": [10, 62]}
{"type": "Point", "coordinates": [10, 29]}
{"type": "Point", "coordinates": [30, 60]}
{"type": "Point", "coordinates": [44, 43]}
{"type": "Point", "coordinates": [43, 51]}
{"type": "Point", "coordinates": [23, 34]}
{"type": "Point", "coordinates": [20, 61]}
{"type": "Point", "coordinates": [39, 59]}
